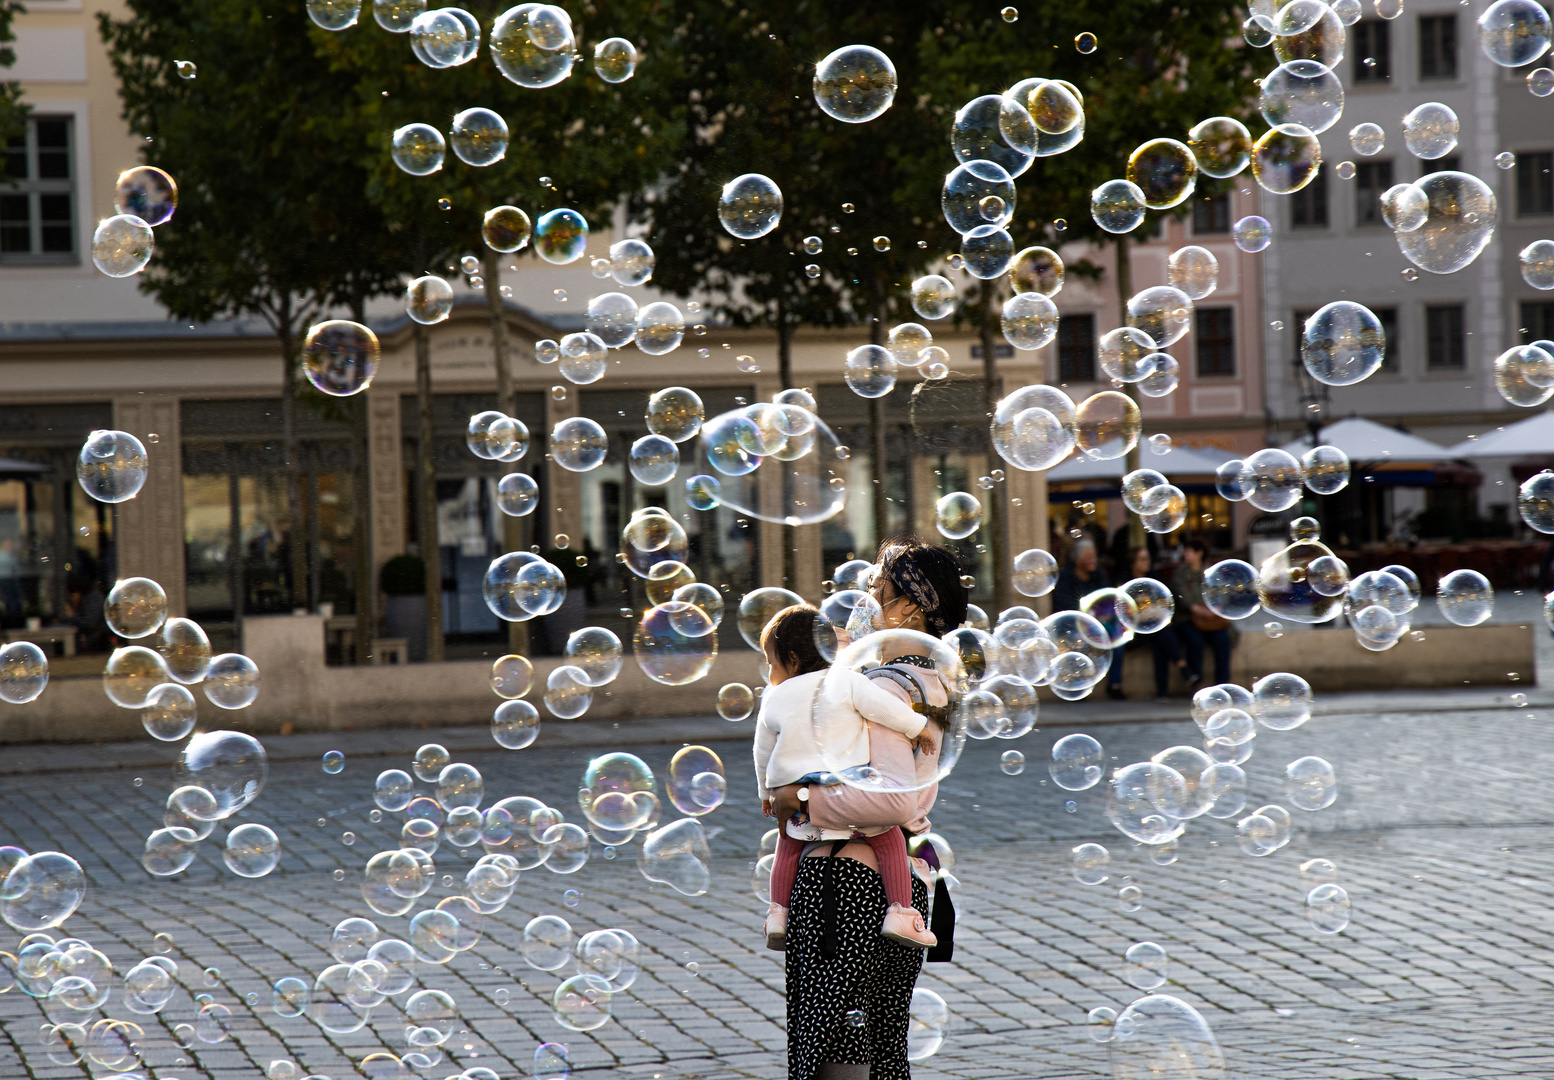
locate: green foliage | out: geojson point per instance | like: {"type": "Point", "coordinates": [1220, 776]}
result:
{"type": "Point", "coordinates": [13, 113]}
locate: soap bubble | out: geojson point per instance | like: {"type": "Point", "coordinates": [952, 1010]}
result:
{"type": "Point", "coordinates": [1465, 597]}
{"type": "Point", "coordinates": [870, 371]}
{"type": "Point", "coordinates": [758, 607]}
{"type": "Point", "coordinates": [678, 856]}
{"type": "Point", "coordinates": [696, 783]}
{"type": "Point", "coordinates": [933, 297]}
{"type": "Point", "coordinates": [393, 790]}
{"type": "Point", "coordinates": [1281, 701]}
{"type": "Point", "coordinates": [560, 236]}
{"type": "Point", "coordinates": [612, 318]}
{"type": "Point", "coordinates": [1164, 171]}
{"type": "Point", "coordinates": [327, 15]}
{"type": "Point", "coordinates": [1163, 313]}
{"type": "Point", "coordinates": [428, 300]}
{"type": "Point", "coordinates": [131, 674]}
{"type": "Point", "coordinates": [1524, 375]}
{"type": "Point", "coordinates": [1029, 321]}
{"type": "Point", "coordinates": [660, 328]}
{"type": "Point", "coordinates": [615, 60]}
{"type": "Point", "coordinates": [1143, 801]}
{"type": "Point", "coordinates": [675, 413]}
{"type": "Point", "coordinates": [928, 1023]}
{"type": "Point", "coordinates": [1037, 270]}
{"type": "Point", "coordinates": [1343, 343]}
{"type": "Point", "coordinates": [1226, 787]}
{"type": "Point", "coordinates": [1430, 131]}
{"type": "Point", "coordinates": [231, 681]}
{"type": "Point", "coordinates": [148, 988]}
{"type": "Point", "coordinates": [1088, 864]}
{"type": "Point", "coordinates": [1252, 234]}
{"type": "Point", "coordinates": [505, 229]}
{"type": "Point", "coordinates": [1163, 379]}
{"type": "Point", "coordinates": [582, 1003]}
{"type": "Point", "coordinates": [1514, 33]}
{"type": "Point", "coordinates": [1230, 589]}
{"type": "Point", "coordinates": [170, 850]}
{"type": "Point", "coordinates": [1310, 783]}
{"type": "Point", "coordinates": [1054, 108]}
{"type": "Point", "coordinates": [1145, 965]}
{"type": "Point", "coordinates": [479, 137]}
{"type": "Point", "coordinates": [1534, 501]}
{"type": "Point", "coordinates": [964, 198]}
{"type": "Point", "coordinates": [252, 850]}
{"type": "Point", "coordinates": [534, 45]}
{"type": "Point", "coordinates": [1536, 261]}
{"type": "Point", "coordinates": [1161, 1036]}
{"type": "Point", "coordinates": [1325, 469]}
{"type": "Point", "coordinates": [231, 765]}
{"type": "Point", "coordinates": [1367, 139]}
{"type": "Point", "coordinates": [1194, 271]}
{"type": "Point", "coordinates": [1308, 30]}
{"type": "Point", "coordinates": [736, 701]}
{"type": "Point", "coordinates": [1540, 82]}
{"type": "Point", "coordinates": [957, 515]}
{"type": "Point", "coordinates": [441, 39]}
{"type": "Point", "coordinates": [1154, 603]}
{"type": "Point", "coordinates": [1077, 763]}
{"type": "Point", "coordinates": [1125, 354]}
{"type": "Point", "coordinates": [976, 135]}
{"type": "Point", "coordinates": [515, 724]}
{"type": "Point", "coordinates": [1303, 93]}
{"type": "Point", "coordinates": [1117, 206]}
{"type": "Point", "coordinates": [340, 357]}
{"type": "Point", "coordinates": [111, 467]}
{"type": "Point", "coordinates": [1035, 572]}
{"type": "Point", "coordinates": [1327, 908]}
{"type": "Point", "coordinates": [1011, 762]}
{"type": "Point", "coordinates": [418, 149]}
{"type": "Point", "coordinates": [578, 444]}
{"type": "Point", "coordinates": [1222, 146]}
{"type": "Point", "coordinates": [854, 84]}
{"type": "Point", "coordinates": [1101, 1021]}
{"type": "Point", "coordinates": [41, 891]}
{"type": "Point", "coordinates": [1273, 479]}
{"type": "Point", "coordinates": [986, 251]}
{"type": "Point", "coordinates": [397, 16]}
{"type": "Point", "coordinates": [1107, 425]}
{"type": "Point", "coordinates": [517, 494]}
{"type": "Point", "coordinates": [750, 206]}
{"type": "Point", "coordinates": [24, 672]}
{"type": "Point", "coordinates": [1286, 158]}
{"type": "Point", "coordinates": [147, 193]}
{"type": "Point", "coordinates": [122, 245]}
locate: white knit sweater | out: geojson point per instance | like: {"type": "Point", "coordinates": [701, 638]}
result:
{"type": "Point", "coordinates": [786, 742]}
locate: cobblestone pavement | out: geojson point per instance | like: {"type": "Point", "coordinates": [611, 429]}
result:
{"type": "Point", "coordinates": [1441, 832]}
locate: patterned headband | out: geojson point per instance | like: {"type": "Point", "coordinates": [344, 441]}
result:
{"type": "Point", "coordinates": [910, 582]}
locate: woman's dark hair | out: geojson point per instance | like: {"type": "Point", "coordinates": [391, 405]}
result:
{"type": "Point", "coordinates": [1196, 545]}
{"type": "Point", "coordinates": [929, 576]}
{"type": "Point", "coordinates": [790, 637]}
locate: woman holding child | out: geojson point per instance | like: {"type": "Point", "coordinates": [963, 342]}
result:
{"type": "Point", "coordinates": [845, 905]}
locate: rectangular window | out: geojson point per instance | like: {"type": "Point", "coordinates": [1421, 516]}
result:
{"type": "Point", "coordinates": [1216, 341]}
{"type": "Point", "coordinates": [1372, 47]}
{"type": "Point", "coordinates": [37, 212]}
{"type": "Point", "coordinates": [1535, 183]}
{"type": "Point", "coordinates": [1308, 206]}
{"type": "Point", "coordinates": [1537, 320]}
{"type": "Point", "coordinates": [1444, 344]}
{"type": "Point", "coordinates": [1389, 326]}
{"type": "Point", "coordinates": [1449, 163]}
{"type": "Point", "coordinates": [1437, 46]}
{"type": "Point", "coordinates": [1371, 179]}
{"type": "Point", "coordinates": [1211, 214]}
{"type": "Point", "coordinates": [1076, 348]}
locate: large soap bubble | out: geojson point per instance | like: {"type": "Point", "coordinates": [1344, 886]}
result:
{"type": "Point", "coordinates": [24, 672]}
{"type": "Point", "coordinates": [231, 681]}
{"type": "Point", "coordinates": [479, 137]}
{"type": "Point", "coordinates": [1274, 480]}
{"type": "Point", "coordinates": [1164, 171]}
{"type": "Point", "coordinates": [1310, 783]}
{"type": "Point", "coordinates": [1465, 597]}
{"type": "Point", "coordinates": [1343, 343]}
{"type": "Point", "coordinates": [231, 765]}
{"type": "Point", "coordinates": [674, 643]}
{"type": "Point", "coordinates": [1514, 33]}
{"type": "Point", "coordinates": [1459, 224]}
{"type": "Point", "coordinates": [1163, 313]}
{"type": "Point", "coordinates": [1303, 93]}
{"type": "Point", "coordinates": [131, 674]}
{"type": "Point", "coordinates": [750, 206]}
{"type": "Point", "coordinates": [1230, 589]}
{"type": "Point", "coordinates": [966, 194]}
{"type": "Point", "coordinates": [1285, 159]}
{"type": "Point", "coordinates": [696, 783]}
{"type": "Point", "coordinates": [678, 856]}
{"type": "Point", "coordinates": [122, 245]}
{"type": "Point", "coordinates": [533, 45]}
{"type": "Point", "coordinates": [340, 357]}
{"type": "Point", "coordinates": [1144, 801]}
{"type": "Point", "coordinates": [582, 1003]}
{"type": "Point", "coordinates": [1430, 131]}
{"type": "Point", "coordinates": [976, 135]}
{"type": "Point", "coordinates": [41, 891]}
{"type": "Point", "coordinates": [1117, 206]}
{"type": "Point", "coordinates": [1077, 763]}
{"type": "Point", "coordinates": [1292, 583]}
{"type": "Point", "coordinates": [1221, 145]}
{"type": "Point", "coordinates": [768, 474]}
{"type": "Point", "coordinates": [1107, 425]}
{"type": "Point", "coordinates": [146, 192]}
{"type": "Point", "coordinates": [112, 466]}
{"type": "Point", "coordinates": [1034, 427]}
{"type": "Point", "coordinates": [758, 607]}
{"type": "Point", "coordinates": [854, 84]}
{"type": "Point", "coordinates": [1158, 1037]}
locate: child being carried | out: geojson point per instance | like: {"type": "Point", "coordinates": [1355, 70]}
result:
{"type": "Point", "coordinates": [787, 752]}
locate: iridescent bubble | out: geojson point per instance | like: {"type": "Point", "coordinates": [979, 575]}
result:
{"type": "Point", "coordinates": [976, 135]}
{"type": "Point", "coordinates": [1303, 92]}
{"type": "Point", "coordinates": [231, 681]}
{"type": "Point", "coordinates": [1163, 379]}
{"type": "Point", "coordinates": [561, 236]}
{"type": "Point", "coordinates": [1514, 33]}
{"type": "Point", "coordinates": [1222, 146]}
{"type": "Point", "coordinates": [230, 765]}
{"type": "Point", "coordinates": [615, 60]}
{"type": "Point", "coordinates": [1524, 375]}
{"type": "Point", "coordinates": [122, 245]}
{"type": "Point", "coordinates": [418, 149]}
{"type": "Point", "coordinates": [24, 672]}
{"type": "Point", "coordinates": [660, 328]}
{"type": "Point", "coordinates": [750, 206]}
{"type": "Point", "coordinates": [534, 45]}
{"type": "Point", "coordinates": [933, 297]}
{"type": "Point", "coordinates": [1465, 597]}
{"type": "Point", "coordinates": [428, 300]}
{"type": "Point", "coordinates": [147, 193]}
{"type": "Point", "coordinates": [131, 674]}
{"type": "Point", "coordinates": [439, 38]}
{"type": "Point", "coordinates": [612, 318]}
{"type": "Point", "coordinates": [578, 444]}
{"type": "Point", "coordinates": [1534, 501]}
{"type": "Point", "coordinates": [1164, 171]}
{"type": "Point", "coordinates": [1459, 224]}
{"type": "Point", "coordinates": [1308, 30]}
{"type": "Point", "coordinates": [111, 467]}
{"type": "Point", "coordinates": [1163, 313]}
{"type": "Point", "coordinates": [870, 371]}
{"type": "Point", "coordinates": [1540, 82]}
{"type": "Point", "coordinates": [41, 891]}
{"type": "Point", "coordinates": [1107, 425]}
{"type": "Point", "coordinates": [1117, 206]}
{"type": "Point", "coordinates": [340, 357]}
{"type": "Point", "coordinates": [1230, 589]}
{"type": "Point", "coordinates": [1252, 234]}
{"type": "Point", "coordinates": [675, 413]}
{"type": "Point", "coordinates": [674, 643]}
{"type": "Point", "coordinates": [1287, 156]}
{"type": "Point", "coordinates": [1035, 572]}
{"type": "Point", "coordinates": [1430, 131]}
{"type": "Point", "coordinates": [854, 84]}
{"type": "Point", "coordinates": [957, 515]}
{"type": "Point", "coordinates": [963, 195]}
{"type": "Point", "coordinates": [1194, 271]}
{"type": "Point", "coordinates": [505, 229]}
{"type": "Point", "coordinates": [1037, 270]}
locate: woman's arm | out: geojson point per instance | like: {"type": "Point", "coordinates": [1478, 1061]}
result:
{"type": "Point", "coordinates": [840, 806]}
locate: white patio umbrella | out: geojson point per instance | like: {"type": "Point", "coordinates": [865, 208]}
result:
{"type": "Point", "coordinates": [1181, 461]}
{"type": "Point", "coordinates": [1366, 440]}
{"type": "Point", "coordinates": [1532, 437]}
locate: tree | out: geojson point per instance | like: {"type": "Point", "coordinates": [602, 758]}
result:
{"type": "Point", "coordinates": [13, 113]}
{"type": "Point", "coordinates": [270, 220]}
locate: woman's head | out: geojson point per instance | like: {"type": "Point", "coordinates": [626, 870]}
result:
{"type": "Point", "coordinates": [1084, 556]}
{"type": "Point", "coordinates": [789, 643]}
{"type": "Point", "coordinates": [919, 586]}
{"type": "Point", "coordinates": [1193, 551]}
{"type": "Point", "coordinates": [1139, 562]}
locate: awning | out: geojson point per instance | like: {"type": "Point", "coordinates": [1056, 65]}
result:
{"type": "Point", "coordinates": [1181, 461]}
{"type": "Point", "coordinates": [1366, 440]}
{"type": "Point", "coordinates": [1532, 437]}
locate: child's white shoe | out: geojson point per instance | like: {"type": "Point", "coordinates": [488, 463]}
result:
{"type": "Point", "coordinates": [905, 926]}
{"type": "Point", "coordinates": [777, 928]}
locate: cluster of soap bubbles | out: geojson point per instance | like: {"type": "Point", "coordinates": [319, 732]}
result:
{"type": "Point", "coordinates": [1272, 479]}
{"type": "Point", "coordinates": [123, 244]}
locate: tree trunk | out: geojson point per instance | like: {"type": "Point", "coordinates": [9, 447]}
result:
{"type": "Point", "coordinates": [995, 525]}
{"type": "Point", "coordinates": [426, 493]}
{"type": "Point", "coordinates": [361, 504]}
{"type": "Point", "coordinates": [1136, 537]}
{"type": "Point", "coordinates": [790, 534]}
{"type": "Point", "coordinates": [296, 532]}
{"type": "Point", "coordinates": [491, 270]}
{"type": "Point", "coordinates": [877, 447]}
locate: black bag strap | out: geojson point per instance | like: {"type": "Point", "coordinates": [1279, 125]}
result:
{"type": "Point", "coordinates": [828, 902]}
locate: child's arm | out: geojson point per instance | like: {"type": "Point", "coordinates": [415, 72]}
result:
{"type": "Point", "coordinates": [765, 742]}
{"type": "Point", "coordinates": [884, 705]}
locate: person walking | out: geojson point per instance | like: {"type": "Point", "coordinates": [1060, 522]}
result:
{"type": "Point", "coordinates": [1200, 626]}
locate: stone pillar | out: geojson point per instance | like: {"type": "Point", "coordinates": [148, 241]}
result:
{"type": "Point", "coordinates": [149, 538]}
{"type": "Point", "coordinates": [386, 445]}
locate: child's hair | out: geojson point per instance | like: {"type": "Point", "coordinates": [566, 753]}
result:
{"type": "Point", "coordinates": [790, 637]}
